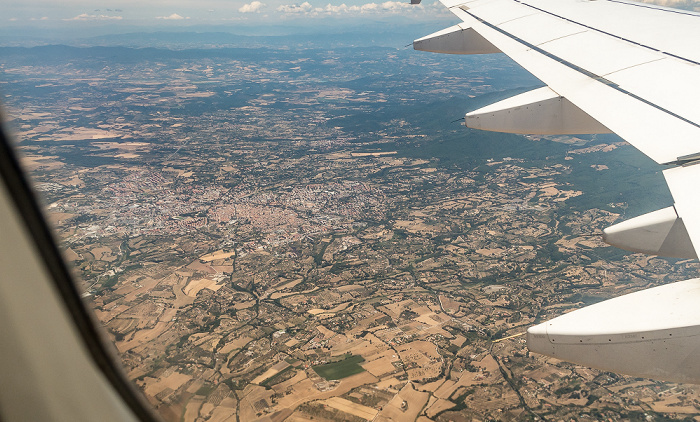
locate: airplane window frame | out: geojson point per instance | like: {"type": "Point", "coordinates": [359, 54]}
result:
{"type": "Point", "coordinates": [94, 340]}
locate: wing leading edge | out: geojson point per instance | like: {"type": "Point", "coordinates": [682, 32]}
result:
{"type": "Point", "coordinates": [609, 66]}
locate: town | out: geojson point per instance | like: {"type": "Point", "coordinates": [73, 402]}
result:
{"type": "Point", "coordinates": [277, 235]}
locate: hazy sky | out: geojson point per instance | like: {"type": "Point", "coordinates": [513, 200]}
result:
{"type": "Point", "coordinates": [238, 16]}
{"type": "Point", "coordinates": [187, 12]}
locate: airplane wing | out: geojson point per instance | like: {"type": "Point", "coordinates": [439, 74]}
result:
{"type": "Point", "coordinates": [608, 66]}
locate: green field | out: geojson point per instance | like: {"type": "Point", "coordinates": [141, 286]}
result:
{"type": "Point", "coordinates": [341, 369]}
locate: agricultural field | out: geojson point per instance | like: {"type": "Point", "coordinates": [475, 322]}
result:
{"type": "Point", "coordinates": [341, 369]}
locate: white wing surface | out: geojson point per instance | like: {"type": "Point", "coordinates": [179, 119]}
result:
{"type": "Point", "coordinates": [609, 66]}
{"type": "Point", "coordinates": [615, 60]}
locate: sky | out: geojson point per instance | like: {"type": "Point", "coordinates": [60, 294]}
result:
{"type": "Point", "coordinates": [186, 12]}
{"type": "Point", "coordinates": [72, 12]}
{"type": "Point", "coordinates": [70, 18]}
{"type": "Point", "coordinates": [37, 22]}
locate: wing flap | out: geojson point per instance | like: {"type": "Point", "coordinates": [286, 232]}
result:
{"type": "Point", "coordinates": [646, 24]}
{"type": "Point", "coordinates": [541, 28]}
{"type": "Point", "coordinates": [666, 84]}
{"type": "Point", "coordinates": [498, 12]}
{"type": "Point", "coordinates": [599, 54]}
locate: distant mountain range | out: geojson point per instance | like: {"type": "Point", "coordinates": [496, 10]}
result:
{"type": "Point", "coordinates": [367, 34]}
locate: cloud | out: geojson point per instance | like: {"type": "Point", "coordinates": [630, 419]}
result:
{"type": "Point", "coordinates": [174, 16]}
{"type": "Point", "coordinates": [343, 8]}
{"type": "Point", "coordinates": [303, 8]}
{"type": "Point", "coordinates": [251, 7]}
{"type": "Point", "coordinates": [86, 17]}
{"type": "Point", "coordinates": [390, 7]}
